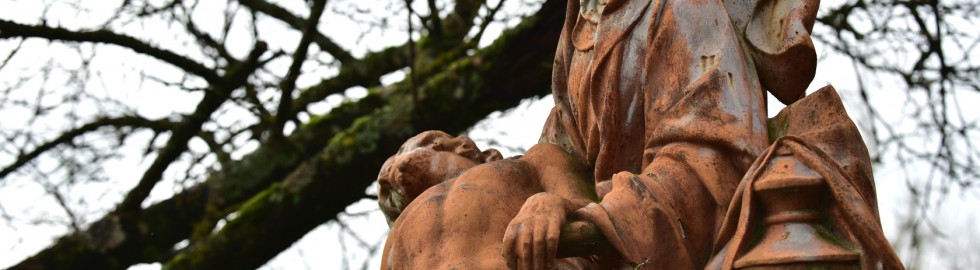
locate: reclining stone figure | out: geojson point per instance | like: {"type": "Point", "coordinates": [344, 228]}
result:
{"type": "Point", "coordinates": [447, 202]}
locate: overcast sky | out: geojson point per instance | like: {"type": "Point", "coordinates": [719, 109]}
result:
{"type": "Point", "coordinates": [322, 248]}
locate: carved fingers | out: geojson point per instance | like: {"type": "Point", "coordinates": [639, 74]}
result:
{"type": "Point", "coordinates": [531, 239]}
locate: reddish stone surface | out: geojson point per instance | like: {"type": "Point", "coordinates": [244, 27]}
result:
{"type": "Point", "coordinates": [818, 144]}
{"type": "Point", "coordinates": [657, 155]}
{"type": "Point", "coordinates": [459, 222]}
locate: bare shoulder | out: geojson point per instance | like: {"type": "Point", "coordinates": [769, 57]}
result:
{"type": "Point", "coordinates": [548, 152]}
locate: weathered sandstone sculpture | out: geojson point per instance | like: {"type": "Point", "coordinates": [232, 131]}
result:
{"type": "Point", "coordinates": [660, 112]}
{"type": "Point", "coordinates": [452, 207]}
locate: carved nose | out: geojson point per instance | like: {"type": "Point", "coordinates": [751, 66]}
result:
{"type": "Point", "coordinates": [467, 151]}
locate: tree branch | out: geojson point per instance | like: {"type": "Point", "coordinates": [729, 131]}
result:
{"type": "Point", "coordinates": [435, 31]}
{"type": "Point", "coordinates": [68, 136]}
{"type": "Point", "coordinates": [285, 111]}
{"type": "Point", "coordinates": [10, 29]}
{"type": "Point", "coordinates": [291, 19]}
{"type": "Point", "coordinates": [491, 13]}
{"type": "Point", "coordinates": [189, 127]}
{"type": "Point", "coordinates": [151, 235]}
{"type": "Point", "coordinates": [326, 184]}
{"type": "Point", "coordinates": [364, 72]}
{"type": "Point", "coordinates": [524, 70]}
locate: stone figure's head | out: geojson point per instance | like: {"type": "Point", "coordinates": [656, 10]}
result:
{"type": "Point", "coordinates": [423, 161]}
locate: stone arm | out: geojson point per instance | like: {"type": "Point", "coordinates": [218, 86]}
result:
{"type": "Point", "coordinates": [565, 176]}
{"type": "Point", "coordinates": [561, 174]}
{"type": "Point", "coordinates": [532, 237]}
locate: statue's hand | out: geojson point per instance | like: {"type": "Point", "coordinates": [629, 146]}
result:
{"type": "Point", "coordinates": [531, 239]}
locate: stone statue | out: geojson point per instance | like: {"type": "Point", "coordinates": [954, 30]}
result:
{"type": "Point", "coordinates": [451, 201]}
{"type": "Point", "coordinates": [660, 111]}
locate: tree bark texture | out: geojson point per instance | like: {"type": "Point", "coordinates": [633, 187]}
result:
{"type": "Point", "coordinates": [289, 186]}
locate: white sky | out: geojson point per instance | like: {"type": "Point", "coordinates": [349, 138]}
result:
{"type": "Point", "coordinates": [321, 248]}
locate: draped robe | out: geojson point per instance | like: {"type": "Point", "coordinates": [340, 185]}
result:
{"type": "Point", "coordinates": [662, 91]}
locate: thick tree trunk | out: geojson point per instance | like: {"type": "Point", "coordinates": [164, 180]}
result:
{"type": "Point", "coordinates": [288, 187]}
{"type": "Point", "coordinates": [518, 67]}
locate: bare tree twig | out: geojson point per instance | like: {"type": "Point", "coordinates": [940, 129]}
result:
{"type": "Point", "coordinates": [189, 127]}
{"type": "Point", "coordinates": [288, 84]}
{"type": "Point", "coordinates": [10, 29]}
{"type": "Point", "coordinates": [126, 121]}
{"type": "Point", "coordinates": [296, 22]}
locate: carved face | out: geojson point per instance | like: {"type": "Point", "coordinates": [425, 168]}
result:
{"type": "Point", "coordinates": [423, 161]}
